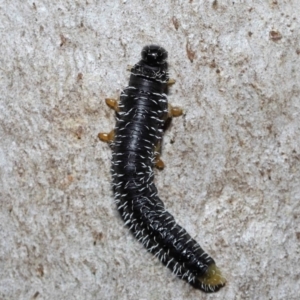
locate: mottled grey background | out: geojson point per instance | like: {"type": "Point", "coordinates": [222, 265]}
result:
{"type": "Point", "coordinates": [232, 161]}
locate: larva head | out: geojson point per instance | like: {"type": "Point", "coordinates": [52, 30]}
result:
{"type": "Point", "coordinates": [153, 67]}
{"type": "Point", "coordinates": [154, 55]}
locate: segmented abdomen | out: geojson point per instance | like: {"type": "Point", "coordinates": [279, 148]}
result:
{"type": "Point", "coordinates": [138, 130]}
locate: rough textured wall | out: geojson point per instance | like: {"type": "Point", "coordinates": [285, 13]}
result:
{"type": "Point", "coordinates": [232, 175]}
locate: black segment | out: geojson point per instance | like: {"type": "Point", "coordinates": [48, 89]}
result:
{"type": "Point", "coordinates": [143, 109]}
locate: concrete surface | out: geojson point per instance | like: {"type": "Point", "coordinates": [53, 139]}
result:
{"type": "Point", "coordinates": [232, 161]}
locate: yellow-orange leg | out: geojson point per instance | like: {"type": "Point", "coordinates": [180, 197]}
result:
{"type": "Point", "coordinates": [174, 111]}
{"type": "Point", "coordinates": [107, 137]}
{"type": "Point", "coordinates": [171, 81]}
{"type": "Point", "coordinates": [112, 103]}
{"type": "Point", "coordinates": [159, 164]}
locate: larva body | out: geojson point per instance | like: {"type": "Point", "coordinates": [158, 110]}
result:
{"type": "Point", "coordinates": [141, 114]}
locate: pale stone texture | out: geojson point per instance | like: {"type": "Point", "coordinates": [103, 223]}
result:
{"type": "Point", "coordinates": [232, 161]}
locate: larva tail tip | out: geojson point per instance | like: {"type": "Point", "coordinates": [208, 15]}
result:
{"type": "Point", "coordinates": [213, 280]}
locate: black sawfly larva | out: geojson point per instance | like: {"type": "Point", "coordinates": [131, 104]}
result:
{"type": "Point", "coordinates": [141, 114]}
